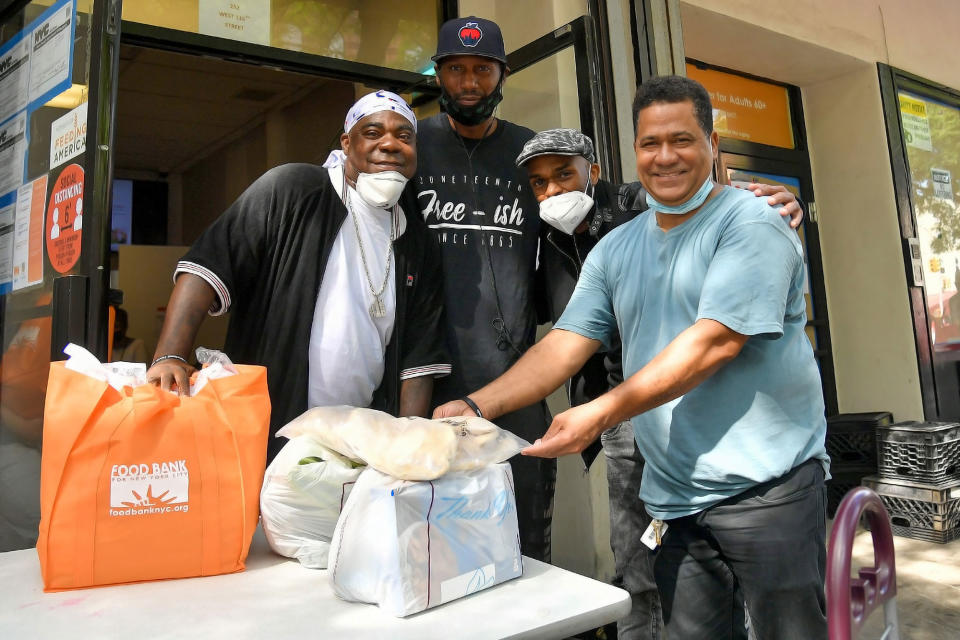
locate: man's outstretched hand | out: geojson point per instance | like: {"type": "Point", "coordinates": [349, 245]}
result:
{"type": "Point", "coordinates": [570, 432]}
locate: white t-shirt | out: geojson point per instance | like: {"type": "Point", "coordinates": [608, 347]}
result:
{"type": "Point", "coordinates": [347, 344]}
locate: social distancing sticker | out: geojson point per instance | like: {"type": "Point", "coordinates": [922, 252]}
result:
{"type": "Point", "coordinates": [65, 219]}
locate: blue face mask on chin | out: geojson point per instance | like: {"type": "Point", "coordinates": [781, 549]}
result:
{"type": "Point", "coordinates": [697, 200]}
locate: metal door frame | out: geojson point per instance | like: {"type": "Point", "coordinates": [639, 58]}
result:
{"type": "Point", "coordinates": [597, 113]}
{"type": "Point", "coordinates": [795, 162]}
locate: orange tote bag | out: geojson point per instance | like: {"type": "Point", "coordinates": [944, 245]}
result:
{"type": "Point", "coordinates": [145, 485]}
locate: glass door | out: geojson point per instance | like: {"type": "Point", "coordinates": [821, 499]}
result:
{"type": "Point", "coordinates": [931, 132]}
{"type": "Point", "coordinates": [556, 81]}
{"type": "Point", "coordinates": [57, 78]}
{"type": "Point", "coordinates": [923, 130]}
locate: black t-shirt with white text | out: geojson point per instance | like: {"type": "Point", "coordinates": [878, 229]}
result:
{"type": "Point", "coordinates": [480, 206]}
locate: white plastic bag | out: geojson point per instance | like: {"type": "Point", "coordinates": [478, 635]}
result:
{"type": "Point", "coordinates": [407, 448]}
{"type": "Point", "coordinates": [117, 374]}
{"type": "Point", "coordinates": [133, 374]}
{"type": "Point", "coordinates": [304, 489]}
{"type": "Point", "coordinates": [409, 546]}
{"type": "Point", "coordinates": [215, 364]}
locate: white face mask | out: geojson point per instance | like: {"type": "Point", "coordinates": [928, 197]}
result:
{"type": "Point", "coordinates": [566, 211]}
{"type": "Point", "coordinates": [381, 190]}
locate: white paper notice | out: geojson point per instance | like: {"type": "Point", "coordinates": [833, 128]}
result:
{"type": "Point", "coordinates": [246, 20]}
{"type": "Point", "coordinates": [28, 234]}
{"type": "Point", "coordinates": [50, 55]}
{"type": "Point", "coordinates": [13, 149]}
{"type": "Point", "coordinates": [68, 136]}
{"type": "Point", "coordinates": [14, 76]}
{"type": "Point", "coordinates": [942, 184]}
{"type": "Point", "coordinates": [6, 255]}
{"type": "Point", "coordinates": [6, 244]}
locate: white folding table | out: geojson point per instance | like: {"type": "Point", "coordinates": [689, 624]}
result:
{"type": "Point", "coordinates": [277, 598]}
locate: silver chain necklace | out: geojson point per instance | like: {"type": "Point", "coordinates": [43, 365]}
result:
{"type": "Point", "coordinates": [377, 309]}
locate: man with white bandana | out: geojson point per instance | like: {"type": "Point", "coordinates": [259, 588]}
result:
{"type": "Point", "coordinates": [330, 276]}
{"type": "Point", "coordinates": [720, 384]}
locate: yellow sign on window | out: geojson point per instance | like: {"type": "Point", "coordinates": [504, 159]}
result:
{"type": "Point", "coordinates": [916, 126]}
{"type": "Point", "coordinates": [746, 109]}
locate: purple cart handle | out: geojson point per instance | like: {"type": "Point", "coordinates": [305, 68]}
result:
{"type": "Point", "coordinates": [851, 600]}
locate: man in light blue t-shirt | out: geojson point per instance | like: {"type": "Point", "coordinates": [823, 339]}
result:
{"type": "Point", "coordinates": [720, 383]}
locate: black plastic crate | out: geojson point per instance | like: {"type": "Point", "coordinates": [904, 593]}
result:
{"type": "Point", "coordinates": [852, 438]}
{"type": "Point", "coordinates": [843, 479]}
{"type": "Point", "coordinates": [922, 451]}
{"type": "Point", "coordinates": [924, 511]}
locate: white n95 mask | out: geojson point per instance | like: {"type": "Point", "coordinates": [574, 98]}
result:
{"type": "Point", "coordinates": [381, 190]}
{"type": "Point", "coordinates": [566, 211]}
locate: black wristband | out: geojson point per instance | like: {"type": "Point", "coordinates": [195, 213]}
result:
{"type": "Point", "coordinates": [170, 356]}
{"type": "Point", "coordinates": [472, 405]}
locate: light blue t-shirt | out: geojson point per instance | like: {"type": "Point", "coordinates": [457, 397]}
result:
{"type": "Point", "coordinates": [735, 261]}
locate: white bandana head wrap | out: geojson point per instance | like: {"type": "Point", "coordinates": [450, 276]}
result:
{"type": "Point", "coordinates": [365, 106]}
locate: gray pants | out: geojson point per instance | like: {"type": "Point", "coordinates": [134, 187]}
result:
{"type": "Point", "coordinates": [768, 542]}
{"type": "Point", "coordinates": [19, 494]}
{"type": "Point", "coordinates": [628, 521]}
{"type": "Point", "coordinates": [534, 482]}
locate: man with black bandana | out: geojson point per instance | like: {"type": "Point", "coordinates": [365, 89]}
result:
{"type": "Point", "coordinates": [481, 209]}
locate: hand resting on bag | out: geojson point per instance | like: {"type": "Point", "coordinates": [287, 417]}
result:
{"type": "Point", "coordinates": [171, 375]}
{"type": "Point", "coordinates": [192, 297]}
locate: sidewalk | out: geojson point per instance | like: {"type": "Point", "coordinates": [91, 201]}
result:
{"type": "Point", "coordinates": [928, 588]}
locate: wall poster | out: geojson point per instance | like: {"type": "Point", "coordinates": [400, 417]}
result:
{"type": "Point", "coordinates": [28, 234]}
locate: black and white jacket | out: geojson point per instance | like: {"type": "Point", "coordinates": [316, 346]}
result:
{"type": "Point", "coordinates": [265, 257]}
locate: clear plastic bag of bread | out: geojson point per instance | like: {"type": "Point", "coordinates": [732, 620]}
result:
{"type": "Point", "coordinates": [481, 443]}
{"type": "Point", "coordinates": [406, 448]}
